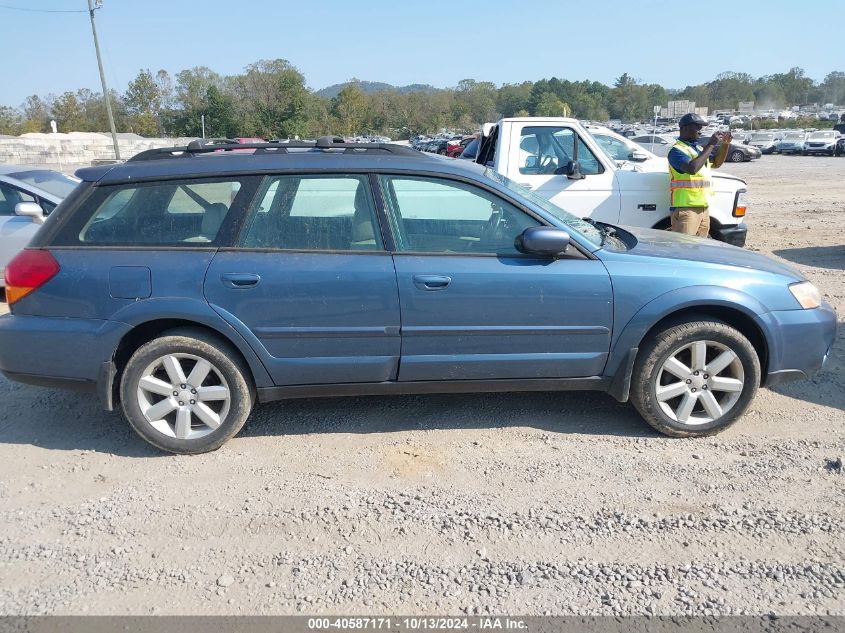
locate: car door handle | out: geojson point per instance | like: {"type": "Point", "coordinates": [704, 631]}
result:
{"type": "Point", "coordinates": [240, 281]}
{"type": "Point", "coordinates": [431, 282]}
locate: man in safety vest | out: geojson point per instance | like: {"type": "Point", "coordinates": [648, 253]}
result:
{"type": "Point", "coordinates": [690, 184]}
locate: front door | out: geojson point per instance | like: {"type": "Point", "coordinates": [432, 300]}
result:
{"type": "Point", "coordinates": [312, 282]}
{"type": "Point", "coordinates": [473, 307]}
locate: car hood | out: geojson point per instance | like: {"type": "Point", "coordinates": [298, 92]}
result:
{"type": "Point", "coordinates": [666, 244]}
{"type": "Point", "coordinates": [659, 164]}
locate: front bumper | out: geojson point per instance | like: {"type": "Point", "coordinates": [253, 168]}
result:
{"type": "Point", "coordinates": [734, 234]}
{"type": "Point", "coordinates": [818, 150]}
{"type": "Point", "coordinates": [800, 342]}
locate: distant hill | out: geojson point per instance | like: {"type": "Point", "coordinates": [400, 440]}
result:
{"type": "Point", "coordinates": [368, 87]}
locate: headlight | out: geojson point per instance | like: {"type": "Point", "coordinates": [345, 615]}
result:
{"type": "Point", "coordinates": [806, 294]}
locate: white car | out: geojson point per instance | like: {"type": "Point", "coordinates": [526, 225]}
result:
{"type": "Point", "coordinates": [821, 142]}
{"type": "Point", "coordinates": [27, 194]}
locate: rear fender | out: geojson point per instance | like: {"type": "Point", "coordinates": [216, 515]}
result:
{"type": "Point", "coordinates": [198, 312]}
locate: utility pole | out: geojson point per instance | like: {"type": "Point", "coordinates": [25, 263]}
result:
{"type": "Point", "coordinates": [91, 9]}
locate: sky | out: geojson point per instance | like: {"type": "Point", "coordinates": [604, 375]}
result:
{"type": "Point", "coordinates": [437, 42]}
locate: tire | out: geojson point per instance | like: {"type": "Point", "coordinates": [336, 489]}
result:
{"type": "Point", "coordinates": [731, 388]}
{"type": "Point", "coordinates": [182, 420]}
{"type": "Point", "coordinates": [737, 156]}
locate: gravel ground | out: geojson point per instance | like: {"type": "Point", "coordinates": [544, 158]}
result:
{"type": "Point", "coordinates": [504, 503]}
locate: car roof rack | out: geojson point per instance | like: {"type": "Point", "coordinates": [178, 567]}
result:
{"type": "Point", "coordinates": [334, 144]}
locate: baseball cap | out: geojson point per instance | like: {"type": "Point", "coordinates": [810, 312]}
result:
{"type": "Point", "coordinates": [692, 119]}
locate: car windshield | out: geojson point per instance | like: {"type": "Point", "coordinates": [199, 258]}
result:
{"type": "Point", "coordinates": [794, 136]}
{"type": "Point", "coordinates": [821, 135]}
{"type": "Point", "coordinates": [581, 226]}
{"type": "Point", "coordinates": [52, 182]}
{"type": "Point", "coordinates": [762, 137]}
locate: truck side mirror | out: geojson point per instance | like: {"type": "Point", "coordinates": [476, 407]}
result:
{"type": "Point", "coordinates": [31, 210]}
{"type": "Point", "coordinates": [572, 169]}
{"type": "Point", "coordinates": [531, 162]}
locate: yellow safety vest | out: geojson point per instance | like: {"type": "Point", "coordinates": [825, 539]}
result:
{"type": "Point", "coordinates": [690, 190]}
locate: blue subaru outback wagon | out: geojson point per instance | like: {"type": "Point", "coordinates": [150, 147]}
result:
{"type": "Point", "coordinates": [188, 284]}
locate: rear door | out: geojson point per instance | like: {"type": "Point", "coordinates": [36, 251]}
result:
{"type": "Point", "coordinates": [312, 283]}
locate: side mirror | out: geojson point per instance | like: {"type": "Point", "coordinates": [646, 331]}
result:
{"type": "Point", "coordinates": [30, 210]}
{"type": "Point", "coordinates": [542, 240]}
{"type": "Point", "coordinates": [637, 156]}
{"type": "Point", "coordinates": [572, 169]}
{"type": "Point", "coordinates": [531, 162]}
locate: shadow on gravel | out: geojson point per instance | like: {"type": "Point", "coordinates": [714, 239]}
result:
{"type": "Point", "coordinates": [832, 257]}
{"type": "Point", "coordinates": [62, 420]}
{"type": "Point", "coordinates": [567, 412]}
{"type": "Point", "coordinates": [826, 388]}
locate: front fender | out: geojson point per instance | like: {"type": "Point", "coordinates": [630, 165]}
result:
{"type": "Point", "coordinates": [632, 333]}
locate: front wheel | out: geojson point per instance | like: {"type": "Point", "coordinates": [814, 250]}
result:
{"type": "Point", "coordinates": [695, 378]}
{"type": "Point", "coordinates": [186, 392]}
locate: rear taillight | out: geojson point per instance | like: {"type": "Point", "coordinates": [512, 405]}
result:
{"type": "Point", "coordinates": [28, 271]}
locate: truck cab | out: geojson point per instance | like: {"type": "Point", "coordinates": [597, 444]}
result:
{"type": "Point", "coordinates": [559, 159]}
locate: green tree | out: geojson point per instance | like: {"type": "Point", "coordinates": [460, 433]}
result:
{"type": "Point", "coordinates": [550, 105]}
{"type": "Point", "coordinates": [68, 113]}
{"type": "Point", "coordinates": [10, 121]}
{"type": "Point", "coordinates": [350, 109]}
{"type": "Point", "coordinates": [274, 100]}
{"type": "Point", "coordinates": [512, 98]}
{"type": "Point", "coordinates": [36, 115]}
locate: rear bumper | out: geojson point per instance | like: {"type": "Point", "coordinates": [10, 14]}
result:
{"type": "Point", "coordinates": [54, 352]}
{"type": "Point", "coordinates": [734, 234]}
{"type": "Point", "coordinates": [800, 342]}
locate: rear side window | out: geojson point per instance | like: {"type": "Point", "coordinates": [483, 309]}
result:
{"type": "Point", "coordinates": [311, 212]}
{"type": "Point", "coordinates": [173, 213]}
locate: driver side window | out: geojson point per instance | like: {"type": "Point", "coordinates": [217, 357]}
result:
{"type": "Point", "coordinates": [548, 150]}
{"type": "Point", "coordinates": [432, 215]}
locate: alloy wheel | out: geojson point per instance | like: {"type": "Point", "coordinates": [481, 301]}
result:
{"type": "Point", "coordinates": [183, 396]}
{"type": "Point", "coordinates": [699, 383]}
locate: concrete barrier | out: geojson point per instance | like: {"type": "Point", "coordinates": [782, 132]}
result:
{"type": "Point", "coordinates": [76, 149]}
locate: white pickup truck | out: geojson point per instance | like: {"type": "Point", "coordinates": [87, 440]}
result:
{"type": "Point", "coordinates": [560, 160]}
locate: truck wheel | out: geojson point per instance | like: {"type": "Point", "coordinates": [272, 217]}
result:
{"type": "Point", "coordinates": [186, 392]}
{"type": "Point", "coordinates": [737, 156]}
{"type": "Point", "coordinates": [694, 379]}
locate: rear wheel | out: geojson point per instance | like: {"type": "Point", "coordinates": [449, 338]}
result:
{"type": "Point", "coordinates": [186, 392]}
{"type": "Point", "coordinates": [695, 378]}
{"type": "Point", "coordinates": [737, 156]}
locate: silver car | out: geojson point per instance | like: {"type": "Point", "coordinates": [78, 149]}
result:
{"type": "Point", "coordinates": [27, 194]}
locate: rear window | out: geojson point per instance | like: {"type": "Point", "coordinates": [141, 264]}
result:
{"type": "Point", "coordinates": [52, 182]}
{"type": "Point", "coordinates": [188, 212]}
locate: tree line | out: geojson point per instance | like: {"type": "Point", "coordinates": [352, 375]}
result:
{"type": "Point", "coordinates": [270, 99]}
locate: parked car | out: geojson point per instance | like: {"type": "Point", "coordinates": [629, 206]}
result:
{"type": "Point", "coordinates": [792, 143]}
{"type": "Point", "coordinates": [657, 144]}
{"type": "Point", "coordinates": [27, 195]}
{"type": "Point", "coordinates": [662, 143]}
{"type": "Point", "coordinates": [821, 142]}
{"type": "Point", "coordinates": [187, 285]}
{"type": "Point", "coordinates": [764, 141]}
{"type": "Point", "coordinates": [456, 147]}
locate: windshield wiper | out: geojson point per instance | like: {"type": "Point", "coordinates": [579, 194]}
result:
{"type": "Point", "coordinates": [606, 230]}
